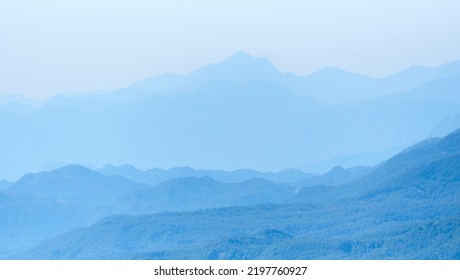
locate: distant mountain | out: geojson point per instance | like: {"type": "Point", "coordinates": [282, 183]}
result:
{"type": "Point", "coordinates": [427, 170]}
{"type": "Point", "coordinates": [406, 208]}
{"type": "Point", "coordinates": [336, 176]}
{"type": "Point", "coordinates": [18, 99]}
{"type": "Point", "coordinates": [241, 113]}
{"type": "Point", "coordinates": [242, 68]}
{"type": "Point", "coordinates": [74, 184]}
{"type": "Point", "coordinates": [4, 184]}
{"type": "Point", "coordinates": [369, 158]}
{"type": "Point", "coordinates": [16, 104]}
{"type": "Point", "coordinates": [447, 125]}
{"type": "Point", "coordinates": [26, 220]}
{"type": "Point", "coordinates": [192, 193]}
{"type": "Point", "coordinates": [158, 175]}
{"type": "Point", "coordinates": [43, 205]}
{"type": "Point", "coordinates": [74, 196]}
{"type": "Point", "coordinates": [414, 76]}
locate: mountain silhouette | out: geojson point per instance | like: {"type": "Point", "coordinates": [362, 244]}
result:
{"type": "Point", "coordinates": [158, 175]}
{"type": "Point", "coordinates": [239, 113]}
{"type": "Point", "coordinates": [74, 184]}
{"type": "Point", "coordinates": [192, 193]}
{"type": "Point", "coordinates": [409, 214]}
{"type": "Point", "coordinates": [346, 86]}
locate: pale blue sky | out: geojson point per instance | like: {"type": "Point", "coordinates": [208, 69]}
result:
{"type": "Point", "coordinates": [79, 45]}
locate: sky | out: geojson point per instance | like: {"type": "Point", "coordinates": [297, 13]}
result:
{"type": "Point", "coordinates": [49, 47]}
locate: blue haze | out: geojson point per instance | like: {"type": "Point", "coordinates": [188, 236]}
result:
{"type": "Point", "coordinates": [403, 208]}
{"type": "Point", "coordinates": [236, 160]}
{"type": "Point", "coordinates": [241, 113]}
{"type": "Point", "coordinates": [84, 45]}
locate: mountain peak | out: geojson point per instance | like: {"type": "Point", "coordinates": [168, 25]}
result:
{"type": "Point", "coordinates": [337, 170]}
{"type": "Point", "coordinates": [240, 68]}
{"type": "Point", "coordinates": [243, 60]}
{"type": "Point", "coordinates": [74, 169]}
{"type": "Point", "coordinates": [240, 56]}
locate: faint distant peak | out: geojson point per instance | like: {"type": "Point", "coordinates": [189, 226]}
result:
{"type": "Point", "coordinates": [435, 72]}
{"type": "Point", "coordinates": [73, 168]}
{"type": "Point", "coordinates": [181, 169]}
{"type": "Point", "coordinates": [241, 56]}
{"type": "Point", "coordinates": [337, 170]}
{"type": "Point", "coordinates": [244, 59]}
{"type": "Point", "coordinates": [190, 181]}
{"type": "Point", "coordinates": [239, 68]}
{"type": "Point", "coordinates": [125, 167]}
{"type": "Point", "coordinates": [336, 72]}
{"type": "Point", "coordinates": [20, 99]}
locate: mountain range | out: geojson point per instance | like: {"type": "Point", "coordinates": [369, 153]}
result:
{"type": "Point", "coordinates": [242, 68]}
{"type": "Point", "coordinates": [43, 205]}
{"type": "Point", "coordinates": [157, 175]}
{"type": "Point", "coordinates": [250, 163]}
{"type": "Point", "coordinates": [240, 113]}
{"type": "Point", "coordinates": [406, 207]}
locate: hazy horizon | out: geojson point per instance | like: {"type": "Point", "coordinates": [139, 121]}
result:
{"type": "Point", "coordinates": [80, 46]}
{"type": "Point", "coordinates": [231, 130]}
{"type": "Point", "coordinates": [70, 91]}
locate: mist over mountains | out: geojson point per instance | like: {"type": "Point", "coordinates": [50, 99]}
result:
{"type": "Point", "coordinates": [236, 161]}
{"type": "Point", "coordinates": [404, 208]}
{"type": "Point", "coordinates": [240, 113]}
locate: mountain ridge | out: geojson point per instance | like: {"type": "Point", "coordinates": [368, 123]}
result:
{"type": "Point", "coordinates": [380, 221]}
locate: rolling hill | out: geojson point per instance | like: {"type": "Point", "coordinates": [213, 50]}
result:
{"type": "Point", "coordinates": [406, 208]}
{"type": "Point", "coordinates": [192, 193]}
{"type": "Point", "coordinates": [155, 176]}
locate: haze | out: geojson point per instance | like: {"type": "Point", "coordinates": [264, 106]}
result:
{"type": "Point", "coordinates": [49, 47]}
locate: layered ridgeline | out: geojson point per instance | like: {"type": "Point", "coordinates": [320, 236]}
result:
{"type": "Point", "coordinates": [157, 175]}
{"type": "Point", "coordinates": [406, 207]}
{"type": "Point", "coordinates": [43, 205]}
{"type": "Point", "coordinates": [240, 113]}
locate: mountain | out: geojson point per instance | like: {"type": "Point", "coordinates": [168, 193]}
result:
{"type": "Point", "coordinates": [26, 220]}
{"type": "Point", "coordinates": [259, 232]}
{"type": "Point", "coordinates": [161, 231]}
{"type": "Point", "coordinates": [336, 176]}
{"type": "Point", "coordinates": [158, 175]}
{"type": "Point", "coordinates": [414, 76]}
{"type": "Point", "coordinates": [43, 205]}
{"type": "Point", "coordinates": [242, 68]}
{"type": "Point", "coordinates": [4, 184]}
{"type": "Point", "coordinates": [421, 241]}
{"type": "Point", "coordinates": [18, 99]}
{"type": "Point", "coordinates": [253, 117]}
{"type": "Point", "coordinates": [74, 184]}
{"type": "Point", "coordinates": [192, 193]}
{"type": "Point", "coordinates": [447, 125]}
{"type": "Point", "coordinates": [224, 126]}
{"type": "Point", "coordinates": [405, 208]}
{"type": "Point", "coordinates": [425, 171]}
